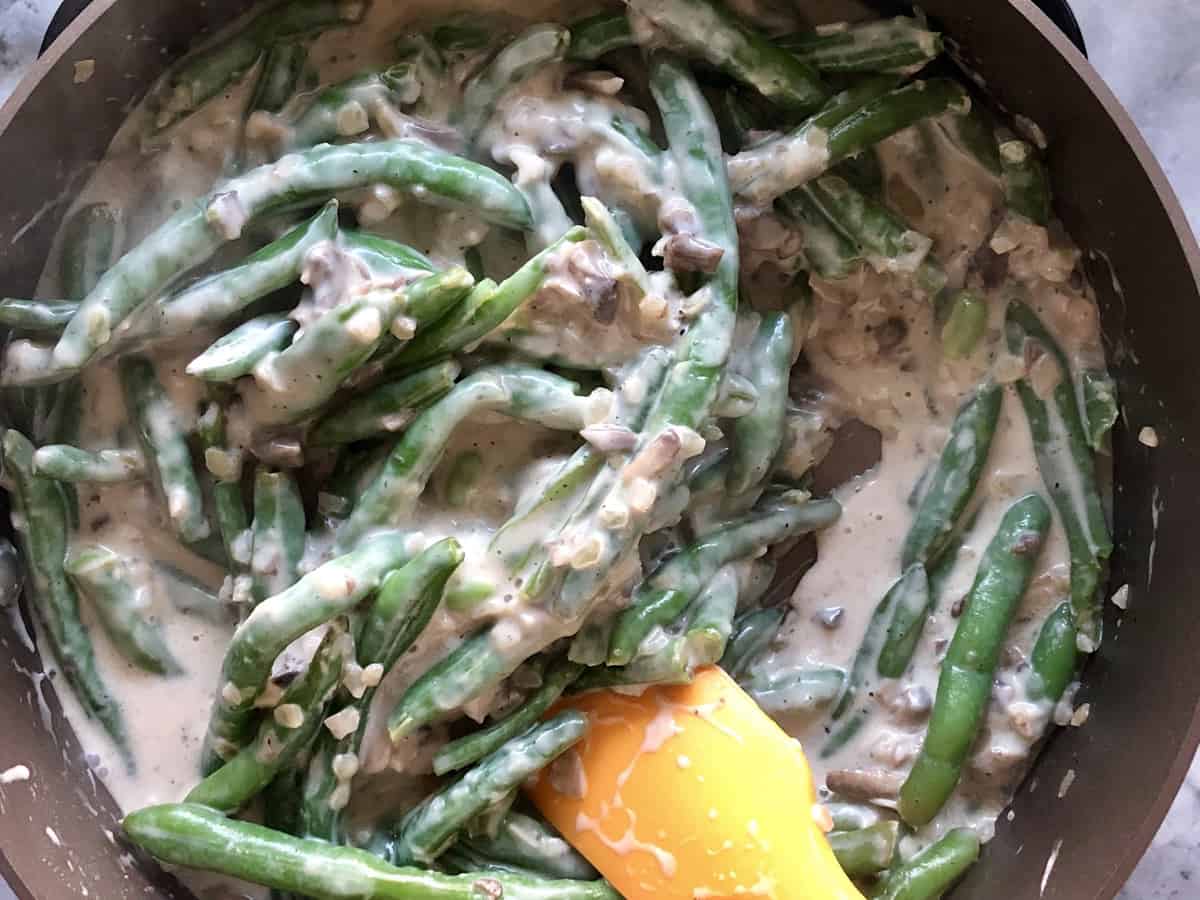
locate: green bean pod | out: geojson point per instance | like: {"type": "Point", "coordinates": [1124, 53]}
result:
{"type": "Point", "coordinates": [279, 76]}
{"type": "Point", "coordinates": [753, 632]}
{"type": "Point", "coordinates": [532, 845]}
{"type": "Point", "coordinates": [899, 45]}
{"type": "Point", "coordinates": [535, 47]}
{"type": "Point", "coordinates": [277, 534]}
{"type": "Point", "coordinates": [934, 870]}
{"type": "Point", "coordinates": [89, 243]}
{"type": "Point", "coordinates": [387, 408]}
{"type": "Point", "coordinates": [37, 316]}
{"type": "Point", "coordinates": [1026, 183]}
{"type": "Point", "coordinates": [62, 462]}
{"type": "Point", "coordinates": [238, 352]}
{"type": "Point", "coordinates": [224, 465]}
{"type": "Point", "coordinates": [965, 325]}
{"type": "Point", "coordinates": [965, 683]}
{"type": "Point", "coordinates": [757, 436]}
{"type": "Point", "coordinates": [1053, 661]}
{"type": "Point", "coordinates": [865, 851]}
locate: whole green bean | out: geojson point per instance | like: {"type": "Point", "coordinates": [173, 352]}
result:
{"type": "Point", "coordinates": [238, 352]}
{"type": "Point", "coordinates": [62, 462]}
{"type": "Point", "coordinates": [389, 407]}
{"type": "Point", "coordinates": [104, 578]}
{"type": "Point", "coordinates": [666, 592]}
{"type": "Point", "coordinates": [711, 31]}
{"type": "Point", "coordinates": [898, 45]}
{"type": "Point", "coordinates": [165, 447]}
{"type": "Point", "coordinates": [434, 824]}
{"type": "Point", "coordinates": [533, 845]}
{"type": "Point", "coordinates": [1052, 663]}
{"type": "Point", "coordinates": [1065, 460]}
{"type": "Point", "coordinates": [753, 632]}
{"type": "Point", "coordinates": [40, 520]}
{"type": "Point", "coordinates": [473, 747]}
{"type": "Point", "coordinates": [865, 851]}
{"type": "Point", "coordinates": [277, 534]}
{"type": "Point", "coordinates": [1026, 184]}
{"type": "Point", "coordinates": [934, 870]}
{"type": "Point", "coordinates": [198, 837]}
{"type": "Point", "coordinates": [775, 167]}
{"type": "Point", "coordinates": [225, 466]}
{"type": "Point", "coordinates": [965, 682]}
{"type": "Point", "coordinates": [757, 436]}
{"type": "Point", "coordinates": [326, 592]}
{"type": "Point", "coordinates": [485, 309]}
{"type": "Point", "coordinates": [954, 477]}
{"type": "Point", "coordinates": [598, 35]}
{"type": "Point", "coordinates": [532, 49]}
{"type": "Point", "coordinates": [196, 232]}
{"type": "Point", "coordinates": [518, 391]}
{"type": "Point", "coordinates": [37, 316]}
{"type": "Point", "coordinates": [294, 723]}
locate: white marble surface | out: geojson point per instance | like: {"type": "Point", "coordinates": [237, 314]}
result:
{"type": "Point", "coordinates": [1147, 51]}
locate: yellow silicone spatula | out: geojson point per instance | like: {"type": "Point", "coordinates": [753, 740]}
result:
{"type": "Point", "coordinates": [691, 792]}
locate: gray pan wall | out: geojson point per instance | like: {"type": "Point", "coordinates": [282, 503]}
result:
{"type": "Point", "coordinates": [1132, 754]}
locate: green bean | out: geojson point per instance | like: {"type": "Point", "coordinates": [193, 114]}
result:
{"type": "Point", "coordinates": [87, 248]}
{"type": "Point", "coordinates": [238, 352]}
{"type": "Point", "coordinates": [965, 682]}
{"type": "Point", "coordinates": [190, 596]}
{"type": "Point", "coordinates": [37, 316]}
{"type": "Point", "coordinates": [40, 520]}
{"type": "Point", "coordinates": [470, 749]}
{"type": "Point", "coordinates": [775, 167]}
{"type": "Point", "coordinates": [389, 407]}
{"type": "Point", "coordinates": [301, 378]}
{"type": "Point", "coordinates": [202, 838]}
{"type": "Point", "coordinates": [463, 478]}
{"type": "Point", "coordinates": [965, 325]}
{"type": "Point", "coordinates": [1099, 405]}
{"type": "Point", "coordinates": [532, 845]}
{"type": "Point", "coordinates": [954, 477]}
{"type": "Point", "coordinates": [406, 601]}
{"type": "Point", "coordinates": [599, 35]}
{"type": "Point", "coordinates": [898, 45]}
{"type": "Point", "coordinates": [521, 392]}
{"type": "Point", "coordinates": [1026, 184]}
{"type": "Point", "coordinates": [1065, 461]}
{"type": "Point", "coordinates": [827, 251]}
{"type": "Point", "coordinates": [225, 466]}
{"type": "Point", "coordinates": [485, 309]}
{"type": "Point", "coordinates": [383, 256]}
{"type": "Point", "coordinates": [934, 870]}
{"type": "Point", "coordinates": [757, 436]}
{"type": "Point", "coordinates": [852, 816]}
{"type": "Point", "coordinates": [279, 76]}
{"type": "Point", "coordinates": [910, 612]}
{"type": "Point", "coordinates": [799, 691]}
{"type": "Point", "coordinates": [164, 445]}
{"type": "Point", "coordinates": [434, 824]}
{"type": "Point", "coordinates": [975, 135]}
{"type": "Point", "coordinates": [531, 50]}
{"type": "Point", "coordinates": [277, 540]}
{"type": "Point", "coordinates": [120, 604]}
{"type": "Point", "coordinates": [604, 226]}
{"type": "Point", "coordinates": [203, 75]}
{"type": "Point", "coordinates": [865, 851]}
{"type": "Point", "coordinates": [196, 232]}
{"type": "Point", "coordinates": [345, 109]}
{"type": "Point", "coordinates": [1052, 663]}
{"type": "Point", "coordinates": [319, 596]}
{"type": "Point", "coordinates": [221, 296]}
{"type": "Point", "coordinates": [753, 632]}
{"type": "Point", "coordinates": [712, 32]}
{"type": "Point", "coordinates": [294, 723]}
{"type": "Point", "coordinates": [62, 462]}
{"type": "Point", "coordinates": [666, 592]}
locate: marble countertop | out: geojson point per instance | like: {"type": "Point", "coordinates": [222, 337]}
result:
{"type": "Point", "coordinates": [1147, 53]}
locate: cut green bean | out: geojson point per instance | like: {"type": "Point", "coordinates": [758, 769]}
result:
{"type": "Point", "coordinates": [1026, 183]}
{"type": "Point", "coordinates": [277, 543]}
{"type": "Point", "coordinates": [535, 47]}
{"type": "Point", "coordinates": [910, 611]}
{"type": "Point", "coordinates": [198, 837]}
{"type": "Point", "coordinates": [1065, 460]}
{"type": "Point", "coordinates": [40, 520]}
{"type": "Point", "coordinates": [387, 408]}
{"type": "Point", "coordinates": [224, 464]}
{"type": "Point", "coordinates": [865, 851]}
{"type": "Point", "coordinates": [120, 604]}
{"type": "Point", "coordinates": [715, 34]}
{"type": "Point", "coordinates": [238, 352]}
{"type": "Point", "coordinates": [292, 725]}
{"type": "Point", "coordinates": [827, 251]}
{"type": "Point", "coordinates": [385, 257]}
{"type": "Point", "coordinates": [165, 447]}
{"type": "Point", "coordinates": [433, 825]}
{"type": "Point", "coordinates": [934, 870]}
{"type": "Point", "coordinates": [89, 244]}
{"type": "Point", "coordinates": [899, 45]}
{"type": "Point", "coordinates": [532, 845]}
{"type": "Point", "coordinates": [279, 75]}
{"type": "Point", "coordinates": [62, 462]}
{"type": "Point", "coordinates": [328, 591]}
{"type": "Point", "coordinates": [37, 316]}
{"type": "Point", "coordinates": [470, 749]}
{"type": "Point", "coordinates": [965, 326]}
{"type": "Point", "coordinates": [347, 109]}
{"type": "Point", "coordinates": [753, 632]}
{"type": "Point", "coordinates": [195, 233]}
{"type": "Point", "coordinates": [965, 682]}
{"type": "Point", "coordinates": [757, 436]}
{"type": "Point", "coordinates": [954, 476]}
{"type": "Point", "coordinates": [801, 691]}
